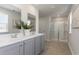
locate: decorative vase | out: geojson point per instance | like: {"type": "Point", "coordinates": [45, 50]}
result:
{"type": "Point", "coordinates": [27, 31]}
{"type": "Point", "coordinates": [20, 31]}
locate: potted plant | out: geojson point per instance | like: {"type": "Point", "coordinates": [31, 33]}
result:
{"type": "Point", "coordinates": [23, 27]}
{"type": "Point", "coordinates": [18, 26]}
{"type": "Point", "coordinates": [26, 27]}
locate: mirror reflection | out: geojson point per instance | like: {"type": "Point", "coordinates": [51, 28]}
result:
{"type": "Point", "coordinates": [8, 16]}
{"type": "Point", "coordinates": [32, 21]}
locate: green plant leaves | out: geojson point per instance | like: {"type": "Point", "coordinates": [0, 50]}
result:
{"type": "Point", "coordinates": [23, 25]}
{"type": "Point", "coordinates": [18, 26]}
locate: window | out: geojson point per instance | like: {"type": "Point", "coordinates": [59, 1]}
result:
{"type": "Point", "coordinates": [3, 22]}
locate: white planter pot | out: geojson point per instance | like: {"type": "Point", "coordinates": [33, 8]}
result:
{"type": "Point", "coordinates": [27, 32]}
{"type": "Point", "coordinates": [20, 30]}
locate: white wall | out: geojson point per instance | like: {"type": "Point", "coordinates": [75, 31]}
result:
{"type": "Point", "coordinates": [25, 9]}
{"type": "Point", "coordinates": [44, 26]}
{"type": "Point", "coordinates": [74, 36]}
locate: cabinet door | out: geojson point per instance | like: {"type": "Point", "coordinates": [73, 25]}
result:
{"type": "Point", "coordinates": [42, 42]}
{"type": "Point", "coordinates": [29, 47]}
{"type": "Point", "coordinates": [13, 49]}
{"type": "Point", "coordinates": [37, 45]}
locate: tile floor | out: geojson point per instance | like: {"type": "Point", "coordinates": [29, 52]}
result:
{"type": "Point", "coordinates": [56, 48]}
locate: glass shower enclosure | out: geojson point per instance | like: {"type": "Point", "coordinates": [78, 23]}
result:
{"type": "Point", "coordinates": [56, 30]}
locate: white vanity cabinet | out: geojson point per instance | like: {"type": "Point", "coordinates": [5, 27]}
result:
{"type": "Point", "coordinates": [32, 45]}
{"type": "Point", "coordinates": [13, 49]}
{"type": "Point", "coordinates": [39, 44]}
{"type": "Point", "coordinates": [29, 47]}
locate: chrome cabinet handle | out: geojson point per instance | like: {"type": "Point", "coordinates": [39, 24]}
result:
{"type": "Point", "coordinates": [21, 45]}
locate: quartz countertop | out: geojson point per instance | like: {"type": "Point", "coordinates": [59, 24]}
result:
{"type": "Point", "coordinates": [6, 40]}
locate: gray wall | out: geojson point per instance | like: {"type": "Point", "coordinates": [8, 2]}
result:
{"type": "Point", "coordinates": [74, 35]}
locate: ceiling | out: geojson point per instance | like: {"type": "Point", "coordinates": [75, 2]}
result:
{"type": "Point", "coordinates": [53, 10]}
{"type": "Point", "coordinates": [10, 7]}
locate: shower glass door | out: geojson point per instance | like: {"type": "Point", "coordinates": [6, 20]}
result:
{"type": "Point", "coordinates": [57, 30]}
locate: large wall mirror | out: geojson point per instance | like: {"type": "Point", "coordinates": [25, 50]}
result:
{"type": "Point", "coordinates": [9, 14]}
{"type": "Point", "coordinates": [32, 20]}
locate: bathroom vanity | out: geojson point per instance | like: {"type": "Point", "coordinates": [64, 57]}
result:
{"type": "Point", "coordinates": [10, 44]}
{"type": "Point", "coordinates": [26, 45]}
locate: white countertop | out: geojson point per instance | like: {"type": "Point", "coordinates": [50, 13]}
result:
{"type": "Point", "coordinates": [6, 40]}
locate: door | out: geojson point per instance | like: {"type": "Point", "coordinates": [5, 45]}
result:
{"type": "Point", "coordinates": [61, 30]}
{"type": "Point", "coordinates": [42, 43]}
{"type": "Point", "coordinates": [29, 47]}
{"type": "Point", "coordinates": [14, 49]}
{"type": "Point", "coordinates": [37, 45]}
